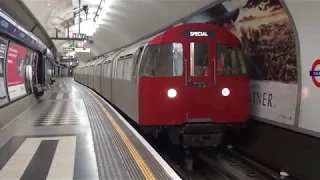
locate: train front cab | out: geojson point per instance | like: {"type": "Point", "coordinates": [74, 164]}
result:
{"type": "Point", "coordinates": [194, 83]}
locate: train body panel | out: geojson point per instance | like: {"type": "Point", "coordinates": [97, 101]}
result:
{"type": "Point", "coordinates": [233, 108]}
{"type": "Point", "coordinates": [106, 86]}
{"type": "Point", "coordinates": [78, 73]}
{"type": "Point", "coordinates": [85, 76]}
{"type": "Point", "coordinates": [125, 97]}
{"type": "Point", "coordinates": [97, 75]}
{"type": "Point", "coordinates": [106, 79]}
{"type": "Point", "coordinates": [91, 76]}
{"type": "Point", "coordinates": [124, 88]}
{"type": "Point", "coordinates": [157, 108]}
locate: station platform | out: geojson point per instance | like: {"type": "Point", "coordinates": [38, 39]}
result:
{"type": "Point", "coordinates": [72, 133]}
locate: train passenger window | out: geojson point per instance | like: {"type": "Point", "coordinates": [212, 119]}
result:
{"type": "Point", "coordinates": [109, 69]}
{"type": "Point", "coordinates": [120, 65]}
{"type": "Point", "coordinates": [163, 60]}
{"type": "Point", "coordinates": [230, 61]}
{"type": "Point", "coordinates": [128, 62]}
{"type": "Point", "coordinates": [199, 59]}
{"type": "Point", "coordinates": [125, 69]}
{"type": "Point", "coordinates": [105, 69]}
{"type": "Point", "coordinates": [98, 70]}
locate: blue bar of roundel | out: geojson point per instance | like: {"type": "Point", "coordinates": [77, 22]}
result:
{"type": "Point", "coordinates": [313, 73]}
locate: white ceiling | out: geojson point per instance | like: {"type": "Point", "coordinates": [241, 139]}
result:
{"type": "Point", "coordinates": [125, 21]}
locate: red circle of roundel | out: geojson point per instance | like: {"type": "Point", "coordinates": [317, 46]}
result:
{"type": "Point", "coordinates": [314, 65]}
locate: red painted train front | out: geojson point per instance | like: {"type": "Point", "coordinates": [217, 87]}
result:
{"type": "Point", "coordinates": [191, 83]}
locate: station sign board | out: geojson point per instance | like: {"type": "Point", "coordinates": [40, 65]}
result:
{"type": "Point", "coordinates": [76, 49]}
{"type": "Point", "coordinates": [79, 35]}
{"type": "Point", "coordinates": [82, 49]}
{"type": "Point", "coordinates": [68, 49]}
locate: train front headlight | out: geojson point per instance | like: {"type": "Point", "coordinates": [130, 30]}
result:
{"type": "Point", "coordinates": [172, 93]}
{"type": "Point", "coordinates": [225, 92]}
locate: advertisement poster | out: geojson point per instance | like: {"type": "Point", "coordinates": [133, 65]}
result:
{"type": "Point", "coordinates": [3, 92]}
{"type": "Point", "coordinates": [16, 71]}
{"type": "Point", "coordinates": [265, 31]}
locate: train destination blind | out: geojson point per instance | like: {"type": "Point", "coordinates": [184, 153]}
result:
{"type": "Point", "coordinates": [192, 33]}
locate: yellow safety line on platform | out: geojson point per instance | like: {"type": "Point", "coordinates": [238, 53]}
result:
{"type": "Point", "coordinates": [136, 155]}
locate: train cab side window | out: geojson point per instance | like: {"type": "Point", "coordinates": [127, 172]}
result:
{"type": "Point", "coordinates": [149, 57]}
{"type": "Point", "coordinates": [199, 59]}
{"type": "Point", "coordinates": [230, 61]}
{"type": "Point", "coordinates": [137, 56]}
{"type": "Point", "coordinates": [162, 60]}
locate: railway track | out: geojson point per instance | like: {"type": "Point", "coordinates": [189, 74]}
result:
{"type": "Point", "coordinates": [232, 165]}
{"type": "Point", "coordinates": [258, 168]}
{"type": "Point", "coordinates": [215, 164]}
{"type": "Point", "coordinates": [219, 165]}
{"type": "Point", "coordinates": [207, 165]}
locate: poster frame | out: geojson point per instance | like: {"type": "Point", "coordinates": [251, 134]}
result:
{"type": "Point", "coordinates": [26, 94]}
{"type": "Point", "coordinates": [5, 71]}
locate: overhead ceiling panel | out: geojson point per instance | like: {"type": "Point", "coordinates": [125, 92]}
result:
{"type": "Point", "coordinates": [17, 10]}
{"type": "Point", "coordinates": [51, 14]}
{"type": "Point", "coordinates": [125, 21]}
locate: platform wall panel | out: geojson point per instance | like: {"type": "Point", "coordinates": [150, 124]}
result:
{"type": "Point", "coordinates": [12, 111]}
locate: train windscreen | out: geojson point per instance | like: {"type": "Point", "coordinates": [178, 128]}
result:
{"type": "Point", "coordinates": [230, 61]}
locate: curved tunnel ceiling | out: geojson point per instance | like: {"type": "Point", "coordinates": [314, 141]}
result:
{"type": "Point", "coordinates": [125, 20]}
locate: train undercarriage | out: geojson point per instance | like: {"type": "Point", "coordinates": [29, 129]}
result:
{"type": "Point", "coordinates": [193, 137]}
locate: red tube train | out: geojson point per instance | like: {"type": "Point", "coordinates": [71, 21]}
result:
{"type": "Point", "coordinates": [189, 82]}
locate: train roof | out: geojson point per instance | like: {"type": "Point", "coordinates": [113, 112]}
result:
{"type": "Point", "coordinates": [100, 60]}
{"type": "Point", "coordinates": [112, 56]}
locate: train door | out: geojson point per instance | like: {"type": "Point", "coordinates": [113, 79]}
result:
{"type": "Point", "coordinates": [199, 77]}
{"type": "Point", "coordinates": [35, 68]}
{"type": "Point", "coordinates": [70, 72]}
{"type": "Point", "coordinates": [29, 60]}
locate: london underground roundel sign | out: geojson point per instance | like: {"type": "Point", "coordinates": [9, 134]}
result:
{"type": "Point", "coordinates": [314, 73]}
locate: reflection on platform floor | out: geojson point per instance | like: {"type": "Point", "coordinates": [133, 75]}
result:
{"type": "Point", "coordinates": [52, 140]}
{"type": "Point", "coordinates": [70, 134]}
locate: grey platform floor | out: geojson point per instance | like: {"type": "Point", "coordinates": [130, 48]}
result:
{"type": "Point", "coordinates": [71, 133]}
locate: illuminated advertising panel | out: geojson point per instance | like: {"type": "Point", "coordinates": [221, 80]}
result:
{"type": "Point", "coordinates": [16, 71]}
{"type": "Point", "coordinates": [3, 93]}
